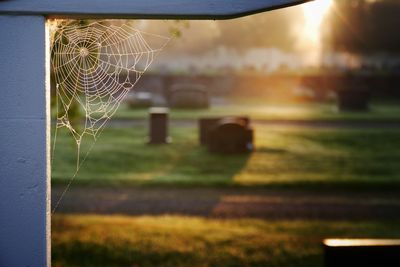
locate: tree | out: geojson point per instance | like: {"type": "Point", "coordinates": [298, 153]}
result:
{"type": "Point", "coordinates": [364, 27]}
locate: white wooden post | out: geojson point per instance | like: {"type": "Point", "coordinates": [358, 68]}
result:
{"type": "Point", "coordinates": [24, 142]}
{"type": "Point", "coordinates": [24, 104]}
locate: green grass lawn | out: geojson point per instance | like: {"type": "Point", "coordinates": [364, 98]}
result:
{"type": "Point", "coordinates": [284, 157]}
{"type": "Point", "coordinates": [87, 240]}
{"type": "Point", "coordinates": [268, 111]}
{"type": "Point", "coordinates": [301, 158]}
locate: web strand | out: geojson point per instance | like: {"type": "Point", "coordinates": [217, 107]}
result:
{"type": "Point", "coordinates": [95, 66]}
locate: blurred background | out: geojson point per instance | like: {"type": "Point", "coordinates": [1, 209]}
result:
{"type": "Point", "coordinates": [305, 54]}
{"type": "Point", "coordinates": [277, 130]}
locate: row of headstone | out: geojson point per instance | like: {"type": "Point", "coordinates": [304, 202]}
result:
{"type": "Point", "coordinates": [186, 96]}
{"type": "Point", "coordinates": [220, 135]}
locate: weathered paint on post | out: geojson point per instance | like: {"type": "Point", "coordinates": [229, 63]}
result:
{"type": "Point", "coordinates": [24, 142]}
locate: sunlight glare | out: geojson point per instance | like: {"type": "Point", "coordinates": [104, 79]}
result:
{"type": "Point", "coordinates": [310, 32]}
{"type": "Point", "coordinates": [314, 13]}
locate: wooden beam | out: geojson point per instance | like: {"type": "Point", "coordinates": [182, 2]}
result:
{"type": "Point", "coordinates": [143, 9]}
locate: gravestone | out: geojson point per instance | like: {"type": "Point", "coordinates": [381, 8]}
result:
{"type": "Point", "coordinates": [353, 99]}
{"type": "Point", "coordinates": [192, 96]}
{"type": "Point", "coordinates": [352, 94]}
{"type": "Point", "coordinates": [158, 132]}
{"type": "Point", "coordinates": [205, 126]}
{"type": "Point", "coordinates": [229, 135]}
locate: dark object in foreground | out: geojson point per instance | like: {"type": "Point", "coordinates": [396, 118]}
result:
{"type": "Point", "coordinates": [361, 252]}
{"type": "Point", "coordinates": [158, 126]}
{"type": "Point", "coordinates": [226, 135]}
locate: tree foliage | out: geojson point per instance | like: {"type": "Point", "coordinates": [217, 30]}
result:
{"type": "Point", "coordinates": [364, 27]}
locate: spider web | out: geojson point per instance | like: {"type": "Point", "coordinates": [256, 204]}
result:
{"type": "Point", "coordinates": [95, 66]}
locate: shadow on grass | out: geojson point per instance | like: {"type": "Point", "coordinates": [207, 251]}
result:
{"type": "Point", "coordinates": [272, 150]}
{"type": "Point", "coordinates": [125, 158]}
{"type": "Point", "coordinates": [90, 254]}
{"type": "Point", "coordinates": [284, 158]}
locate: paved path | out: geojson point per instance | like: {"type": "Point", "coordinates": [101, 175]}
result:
{"type": "Point", "coordinates": [230, 203]}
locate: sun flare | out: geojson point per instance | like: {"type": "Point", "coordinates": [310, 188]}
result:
{"type": "Point", "coordinates": [310, 31]}
{"type": "Point", "coordinates": [314, 13]}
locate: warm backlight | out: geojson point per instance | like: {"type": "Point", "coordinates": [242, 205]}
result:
{"type": "Point", "coordinates": [314, 13]}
